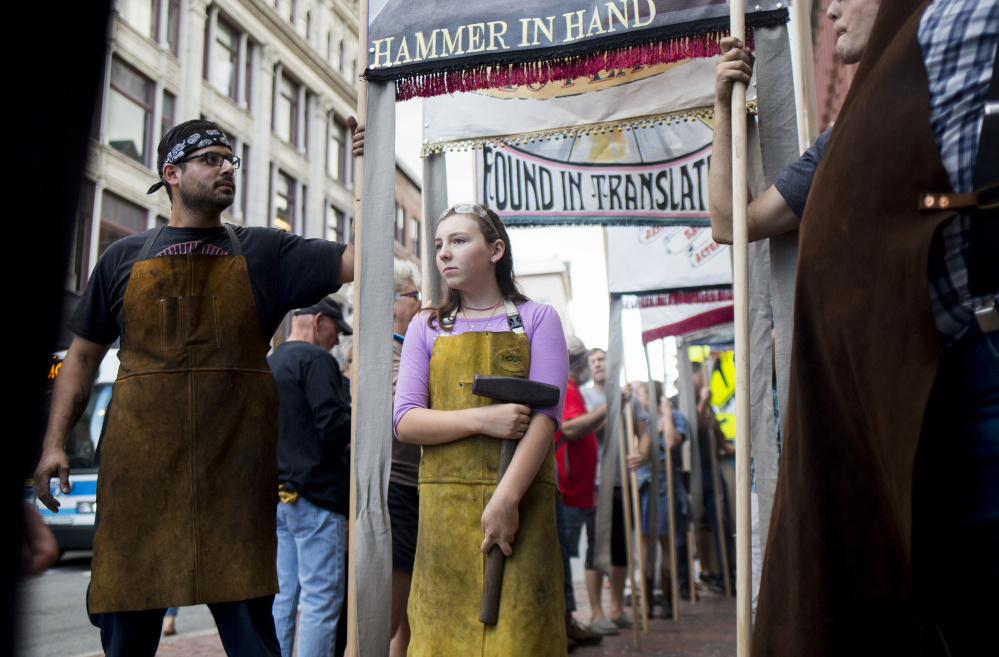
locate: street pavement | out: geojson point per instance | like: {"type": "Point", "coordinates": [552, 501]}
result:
{"type": "Point", "coordinates": [53, 621]}
{"type": "Point", "coordinates": [52, 613]}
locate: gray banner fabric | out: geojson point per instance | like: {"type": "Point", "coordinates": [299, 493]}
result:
{"type": "Point", "coordinates": [762, 430]}
{"type": "Point", "coordinates": [434, 202]}
{"type": "Point", "coordinates": [608, 461]}
{"type": "Point", "coordinates": [779, 137]}
{"type": "Point", "coordinates": [372, 450]}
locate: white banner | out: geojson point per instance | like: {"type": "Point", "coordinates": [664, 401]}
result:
{"type": "Point", "coordinates": [611, 96]}
{"type": "Point", "coordinates": [657, 175]}
{"type": "Point", "coordinates": [658, 258]}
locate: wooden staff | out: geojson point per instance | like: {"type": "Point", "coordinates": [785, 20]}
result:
{"type": "Point", "coordinates": [721, 533]}
{"type": "Point", "coordinates": [740, 234]}
{"type": "Point", "coordinates": [674, 586]}
{"type": "Point", "coordinates": [635, 591]}
{"type": "Point", "coordinates": [636, 512]}
{"type": "Point", "coordinates": [683, 370]}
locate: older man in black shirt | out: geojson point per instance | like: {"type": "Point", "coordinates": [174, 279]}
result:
{"type": "Point", "coordinates": [313, 431]}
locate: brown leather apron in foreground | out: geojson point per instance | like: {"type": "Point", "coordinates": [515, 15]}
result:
{"type": "Point", "coordinates": [837, 579]}
{"type": "Point", "coordinates": [188, 461]}
{"type": "Point", "coordinates": [457, 479]}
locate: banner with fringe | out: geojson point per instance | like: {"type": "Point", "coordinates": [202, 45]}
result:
{"type": "Point", "coordinates": [448, 46]}
{"type": "Point", "coordinates": [667, 261]}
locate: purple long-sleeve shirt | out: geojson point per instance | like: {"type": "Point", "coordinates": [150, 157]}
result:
{"type": "Point", "coordinates": [549, 359]}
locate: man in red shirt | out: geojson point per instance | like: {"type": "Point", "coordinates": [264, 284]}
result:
{"type": "Point", "coordinates": [576, 457]}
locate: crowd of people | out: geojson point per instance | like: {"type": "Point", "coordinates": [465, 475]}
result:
{"type": "Point", "coordinates": [202, 405]}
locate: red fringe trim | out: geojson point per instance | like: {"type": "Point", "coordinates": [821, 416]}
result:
{"type": "Point", "coordinates": [496, 77]}
{"type": "Point", "coordinates": [674, 298]}
{"type": "Point", "coordinates": [696, 323]}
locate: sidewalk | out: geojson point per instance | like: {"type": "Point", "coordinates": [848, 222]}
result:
{"type": "Point", "coordinates": [706, 629]}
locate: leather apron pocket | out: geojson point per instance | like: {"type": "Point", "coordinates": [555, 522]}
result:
{"type": "Point", "coordinates": [189, 321]}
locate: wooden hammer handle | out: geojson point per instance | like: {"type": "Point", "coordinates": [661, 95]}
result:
{"type": "Point", "coordinates": [492, 583]}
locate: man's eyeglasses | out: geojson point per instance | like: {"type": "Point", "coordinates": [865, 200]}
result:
{"type": "Point", "coordinates": [214, 159]}
{"type": "Point", "coordinates": [415, 294]}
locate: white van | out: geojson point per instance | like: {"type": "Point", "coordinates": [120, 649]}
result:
{"type": "Point", "coordinates": [73, 525]}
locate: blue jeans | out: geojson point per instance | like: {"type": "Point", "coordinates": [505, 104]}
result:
{"type": "Point", "coordinates": [311, 569]}
{"type": "Point", "coordinates": [955, 504]}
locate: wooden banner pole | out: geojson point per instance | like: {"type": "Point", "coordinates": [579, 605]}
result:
{"type": "Point", "coordinates": [740, 229]}
{"type": "Point", "coordinates": [721, 533]}
{"type": "Point", "coordinates": [636, 514]}
{"type": "Point", "coordinates": [636, 603]}
{"type": "Point", "coordinates": [674, 585]}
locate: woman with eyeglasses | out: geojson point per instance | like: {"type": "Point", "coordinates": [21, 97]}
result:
{"type": "Point", "coordinates": [483, 325]}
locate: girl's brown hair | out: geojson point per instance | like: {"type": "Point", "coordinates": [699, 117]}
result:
{"type": "Point", "coordinates": [492, 229]}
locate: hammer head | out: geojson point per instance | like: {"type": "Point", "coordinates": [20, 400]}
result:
{"type": "Point", "coordinates": [515, 390]}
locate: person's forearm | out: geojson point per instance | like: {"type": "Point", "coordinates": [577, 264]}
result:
{"type": "Point", "coordinates": [585, 424]}
{"type": "Point", "coordinates": [644, 440]}
{"type": "Point", "coordinates": [72, 389]}
{"type": "Point", "coordinates": [531, 452]}
{"type": "Point", "coordinates": [345, 274]}
{"type": "Point", "coordinates": [425, 426]}
{"type": "Point", "coordinates": [671, 438]}
{"type": "Point", "coordinates": [720, 176]}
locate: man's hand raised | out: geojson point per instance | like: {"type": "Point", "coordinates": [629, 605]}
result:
{"type": "Point", "coordinates": [734, 65]}
{"type": "Point", "coordinates": [356, 136]}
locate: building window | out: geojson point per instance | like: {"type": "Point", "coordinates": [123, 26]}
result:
{"type": "Point", "coordinates": [336, 224]}
{"type": "Point", "coordinates": [400, 224]}
{"type": "Point", "coordinates": [341, 53]}
{"type": "Point", "coordinates": [225, 59]}
{"type": "Point", "coordinates": [414, 235]}
{"type": "Point", "coordinates": [336, 154]}
{"type": "Point", "coordinates": [308, 26]}
{"type": "Point", "coordinates": [286, 111]}
{"type": "Point", "coordinates": [76, 272]}
{"type": "Point", "coordinates": [173, 27]}
{"type": "Point", "coordinates": [140, 14]}
{"type": "Point", "coordinates": [130, 111]}
{"type": "Point", "coordinates": [119, 218]}
{"type": "Point", "coordinates": [284, 202]}
{"type": "Point", "coordinates": [169, 108]}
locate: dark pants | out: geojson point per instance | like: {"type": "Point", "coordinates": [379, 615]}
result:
{"type": "Point", "coordinates": [955, 502]}
{"type": "Point", "coordinates": [246, 629]}
{"type": "Point", "coordinates": [563, 541]}
{"type": "Point", "coordinates": [726, 529]}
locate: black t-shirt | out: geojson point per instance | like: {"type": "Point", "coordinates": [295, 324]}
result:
{"type": "Point", "coordinates": [287, 271]}
{"type": "Point", "coordinates": [313, 424]}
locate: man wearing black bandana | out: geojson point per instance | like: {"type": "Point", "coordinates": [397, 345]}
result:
{"type": "Point", "coordinates": [188, 472]}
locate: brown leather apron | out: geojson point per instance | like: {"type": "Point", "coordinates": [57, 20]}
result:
{"type": "Point", "coordinates": [837, 579]}
{"type": "Point", "coordinates": [188, 460]}
{"type": "Point", "coordinates": [457, 479]}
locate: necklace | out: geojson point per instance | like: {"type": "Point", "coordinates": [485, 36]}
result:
{"type": "Point", "coordinates": [502, 299]}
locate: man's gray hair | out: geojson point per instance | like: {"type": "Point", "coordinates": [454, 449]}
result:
{"type": "Point", "coordinates": [406, 271]}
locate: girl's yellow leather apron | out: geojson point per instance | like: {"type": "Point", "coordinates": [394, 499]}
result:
{"type": "Point", "coordinates": [457, 480]}
{"type": "Point", "coordinates": [188, 462]}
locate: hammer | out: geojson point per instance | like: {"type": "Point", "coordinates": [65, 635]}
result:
{"type": "Point", "coordinates": [515, 390]}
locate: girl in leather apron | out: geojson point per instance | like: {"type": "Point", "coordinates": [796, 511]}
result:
{"type": "Point", "coordinates": [484, 325]}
